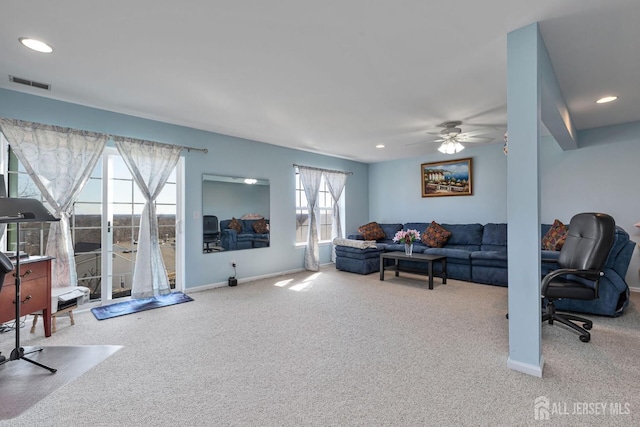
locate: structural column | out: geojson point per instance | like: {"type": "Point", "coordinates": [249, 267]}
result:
{"type": "Point", "coordinates": [523, 199]}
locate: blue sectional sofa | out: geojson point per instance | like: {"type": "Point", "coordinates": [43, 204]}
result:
{"type": "Point", "coordinates": [478, 253]}
{"type": "Point", "coordinates": [231, 240]}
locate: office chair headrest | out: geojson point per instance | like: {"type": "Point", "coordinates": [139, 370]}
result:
{"type": "Point", "coordinates": [589, 240]}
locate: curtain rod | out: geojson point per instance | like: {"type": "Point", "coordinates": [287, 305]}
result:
{"type": "Point", "coordinates": [108, 135]}
{"type": "Point", "coordinates": [321, 169]}
{"type": "Point", "coordinates": [184, 147]}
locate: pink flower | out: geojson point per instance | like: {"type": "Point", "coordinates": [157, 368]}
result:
{"type": "Point", "coordinates": [407, 236]}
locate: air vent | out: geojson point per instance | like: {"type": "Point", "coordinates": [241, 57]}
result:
{"type": "Point", "coordinates": [31, 83]}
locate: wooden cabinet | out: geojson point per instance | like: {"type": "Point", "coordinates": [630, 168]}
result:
{"type": "Point", "coordinates": [35, 291]}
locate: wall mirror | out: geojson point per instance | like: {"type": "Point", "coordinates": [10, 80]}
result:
{"type": "Point", "coordinates": [235, 213]}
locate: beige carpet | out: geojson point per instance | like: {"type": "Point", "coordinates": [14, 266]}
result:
{"type": "Point", "coordinates": [334, 348]}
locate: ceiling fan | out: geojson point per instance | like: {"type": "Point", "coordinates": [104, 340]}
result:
{"type": "Point", "coordinates": [451, 137]}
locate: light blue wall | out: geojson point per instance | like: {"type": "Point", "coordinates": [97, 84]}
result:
{"type": "Point", "coordinates": [396, 193]}
{"type": "Point", "coordinates": [227, 156]}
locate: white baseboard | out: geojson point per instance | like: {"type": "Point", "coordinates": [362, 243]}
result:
{"type": "Point", "coordinates": [526, 368]}
{"type": "Point", "coordinates": [240, 281]}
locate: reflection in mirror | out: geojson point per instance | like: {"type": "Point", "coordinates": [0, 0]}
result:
{"type": "Point", "coordinates": [235, 213]}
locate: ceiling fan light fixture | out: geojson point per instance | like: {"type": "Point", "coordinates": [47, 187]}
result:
{"type": "Point", "coordinates": [450, 147]}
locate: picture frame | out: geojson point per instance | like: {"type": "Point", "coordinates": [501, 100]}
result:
{"type": "Point", "coordinates": [447, 178]}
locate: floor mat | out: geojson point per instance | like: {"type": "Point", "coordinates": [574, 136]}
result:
{"type": "Point", "coordinates": [23, 384]}
{"type": "Point", "coordinates": [134, 306]}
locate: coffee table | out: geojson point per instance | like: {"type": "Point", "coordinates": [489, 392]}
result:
{"type": "Point", "coordinates": [421, 258]}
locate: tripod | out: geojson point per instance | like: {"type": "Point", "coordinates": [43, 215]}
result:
{"type": "Point", "coordinates": [21, 210]}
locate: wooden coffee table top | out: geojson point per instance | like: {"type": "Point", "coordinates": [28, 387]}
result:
{"type": "Point", "coordinates": [418, 256]}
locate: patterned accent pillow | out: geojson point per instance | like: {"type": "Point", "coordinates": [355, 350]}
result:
{"type": "Point", "coordinates": [260, 226]}
{"type": "Point", "coordinates": [435, 235]}
{"type": "Point", "coordinates": [372, 231]}
{"type": "Point", "coordinates": [555, 237]}
{"type": "Point", "coordinates": [235, 225]}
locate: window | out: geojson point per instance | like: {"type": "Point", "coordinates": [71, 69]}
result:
{"type": "Point", "coordinates": [324, 212]}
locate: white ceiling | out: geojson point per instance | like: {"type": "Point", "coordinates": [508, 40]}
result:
{"type": "Point", "coordinates": [332, 77]}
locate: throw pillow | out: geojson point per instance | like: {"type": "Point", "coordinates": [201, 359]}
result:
{"type": "Point", "coordinates": [235, 225]}
{"type": "Point", "coordinates": [435, 235]}
{"type": "Point", "coordinates": [260, 226]}
{"type": "Point", "coordinates": [372, 231]}
{"type": "Point", "coordinates": [555, 237]}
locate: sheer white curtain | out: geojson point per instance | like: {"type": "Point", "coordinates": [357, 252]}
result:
{"type": "Point", "coordinates": [336, 182]}
{"type": "Point", "coordinates": [59, 161]}
{"type": "Point", "coordinates": [310, 178]}
{"type": "Point", "coordinates": [150, 164]}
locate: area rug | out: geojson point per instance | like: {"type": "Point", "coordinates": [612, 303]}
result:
{"type": "Point", "coordinates": [137, 305]}
{"type": "Point", "coordinates": [22, 384]}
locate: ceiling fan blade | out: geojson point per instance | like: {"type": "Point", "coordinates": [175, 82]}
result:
{"type": "Point", "coordinates": [481, 131]}
{"type": "Point", "coordinates": [478, 139]}
{"type": "Point", "coordinates": [432, 141]}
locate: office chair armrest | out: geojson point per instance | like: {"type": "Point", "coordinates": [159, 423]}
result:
{"type": "Point", "coordinates": [587, 274]}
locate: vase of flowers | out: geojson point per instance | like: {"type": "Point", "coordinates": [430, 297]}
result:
{"type": "Point", "coordinates": [407, 237]}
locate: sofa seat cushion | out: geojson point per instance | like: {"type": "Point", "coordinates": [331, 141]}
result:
{"type": "Point", "coordinates": [489, 258]}
{"type": "Point", "coordinates": [453, 255]}
{"type": "Point", "coordinates": [547, 256]}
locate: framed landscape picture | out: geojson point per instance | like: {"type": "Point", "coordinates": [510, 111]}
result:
{"type": "Point", "coordinates": [449, 178]}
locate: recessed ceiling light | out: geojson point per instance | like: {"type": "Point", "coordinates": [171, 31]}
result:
{"type": "Point", "coordinates": [36, 45]}
{"type": "Point", "coordinates": [606, 99]}
{"type": "Point", "coordinates": [380, 146]}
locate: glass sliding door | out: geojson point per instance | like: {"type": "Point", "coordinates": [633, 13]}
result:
{"type": "Point", "coordinates": [105, 222]}
{"type": "Point", "coordinates": [121, 225]}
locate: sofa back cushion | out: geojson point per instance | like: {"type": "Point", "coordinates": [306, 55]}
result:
{"type": "Point", "coordinates": [620, 253]}
{"type": "Point", "coordinates": [464, 236]}
{"type": "Point", "coordinates": [494, 237]}
{"type": "Point", "coordinates": [390, 230]}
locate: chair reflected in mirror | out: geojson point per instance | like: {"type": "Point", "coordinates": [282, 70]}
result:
{"type": "Point", "coordinates": [210, 233]}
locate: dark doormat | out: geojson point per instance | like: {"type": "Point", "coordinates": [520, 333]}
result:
{"type": "Point", "coordinates": [22, 384]}
{"type": "Point", "coordinates": [134, 306]}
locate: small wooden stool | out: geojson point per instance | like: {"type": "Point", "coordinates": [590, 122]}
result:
{"type": "Point", "coordinates": [68, 310]}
